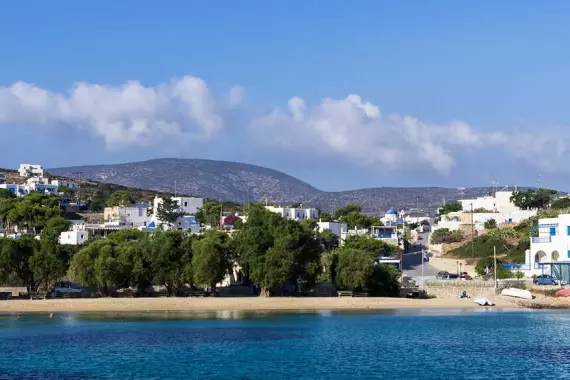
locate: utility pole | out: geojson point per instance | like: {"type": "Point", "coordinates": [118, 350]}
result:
{"type": "Point", "coordinates": [423, 269]}
{"type": "Point", "coordinates": [221, 215]}
{"type": "Point", "coordinates": [472, 234]}
{"type": "Point", "coordinates": [495, 266]}
{"type": "Point", "coordinates": [79, 176]}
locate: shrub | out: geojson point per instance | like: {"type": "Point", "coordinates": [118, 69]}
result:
{"type": "Point", "coordinates": [444, 235]}
{"type": "Point", "coordinates": [490, 224]}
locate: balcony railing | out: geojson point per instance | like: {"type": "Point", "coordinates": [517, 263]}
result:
{"type": "Point", "coordinates": [541, 239]}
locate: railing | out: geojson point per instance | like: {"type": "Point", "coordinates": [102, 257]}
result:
{"type": "Point", "coordinates": [541, 239]}
{"type": "Point", "coordinates": [516, 267]}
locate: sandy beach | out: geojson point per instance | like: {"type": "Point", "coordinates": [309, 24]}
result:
{"type": "Point", "coordinates": [238, 303]}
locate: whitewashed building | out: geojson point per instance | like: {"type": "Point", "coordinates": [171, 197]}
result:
{"type": "Point", "coordinates": [135, 215]}
{"type": "Point", "coordinates": [63, 183]}
{"type": "Point", "coordinates": [499, 202]}
{"type": "Point", "coordinates": [75, 236]}
{"type": "Point", "coordinates": [337, 228]}
{"type": "Point", "coordinates": [389, 234]}
{"type": "Point", "coordinates": [293, 213]}
{"type": "Point", "coordinates": [31, 170]}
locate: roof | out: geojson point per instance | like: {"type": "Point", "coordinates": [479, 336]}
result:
{"type": "Point", "coordinates": [391, 212]}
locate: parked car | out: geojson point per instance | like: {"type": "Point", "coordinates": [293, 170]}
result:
{"type": "Point", "coordinates": [544, 279]}
{"type": "Point", "coordinates": [66, 287]}
{"type": "Point", "coordinates": [442, 275]}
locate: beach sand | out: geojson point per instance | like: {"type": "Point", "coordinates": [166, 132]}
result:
{"type": "Point", "coordinates": [236, 303]}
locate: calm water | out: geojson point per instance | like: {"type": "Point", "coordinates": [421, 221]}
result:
{"type": "Point", "coordinates": [389, 345]}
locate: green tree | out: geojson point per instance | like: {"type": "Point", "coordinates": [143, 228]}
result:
{"type": "Point", "coordinates": [368, 244]}
{"type": "Point", "coordinates": [325, 216]}
{"type": "Point", "coordinates": [6, 194]}
{"type": "Point", "coordinates": [168, 211]}
{"type": "Point", "coordinates": [119, 198]}
{"type": "Point", "coordinates": [211, 259]}
{"type": "Point", "coordinates": [384, 281]}
{"type": "Point", "coordinates": [126, 234]}
{"type": "Point", "coordinates": [329, 262]}
{"type": "Point", "coordinates": [450, 207]}
{"type": "Point", "coordinates": [295, 252]}
{"type": "Point", "coordinates": [18, 253]}
{"type": "Point", "coordinates": [561, 203]}
{"type": "Point", "coordinates": [355, 267]}
{"type": "Point", "coordinates": [531, 199]}
{"type": "Point", "coordinates": [57, 225]}
{"type": "Point", "coordinates": [486, 266]}
{"type": "Point", "coordinates": [209, 214]}
{"type": "Point", "coordinates": [490, 224]}
{"type": "Point", "coordinates": [47, 263]}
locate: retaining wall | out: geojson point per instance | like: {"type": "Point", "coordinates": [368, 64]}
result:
{"type": "Point", "coordinates": [474, 288]}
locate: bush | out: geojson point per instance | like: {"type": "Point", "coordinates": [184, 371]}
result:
{"type": "Point", "coordinates": [444, 235]}
{"type": "Point", "coordinates": [490, 224]}
{"type": "Point", "coordinates": [486, 266]}
{"type": "Point", "coordinates": [561, 203]}
{"type": "Point", "coordinates": [483, 247]}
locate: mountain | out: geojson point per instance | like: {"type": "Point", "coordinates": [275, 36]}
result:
{"type": "Point", "coordinates": [240, 183]}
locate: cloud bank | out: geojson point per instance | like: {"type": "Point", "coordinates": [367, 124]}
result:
{"type": "Point", "coordinates": [358, 131]}
{"type": "Point", "coordinates": [184, 110]}
{"type": "Point", "coordinates": [126, 115]}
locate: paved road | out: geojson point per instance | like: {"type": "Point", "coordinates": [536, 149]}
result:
{"type": "Point", "coordinates": [412, 263]}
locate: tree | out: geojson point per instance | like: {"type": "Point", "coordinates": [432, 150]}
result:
{"type": "Point", "coordinates": [370, 245]}
{"type": "Point", "coordinates": [329, 263]}
{"type": "Point", "coordinates": [486, 267]}
{"type": "Point", "coordinates": [490, 224]}
{"type": "Point", "coordinates": [57, 225]}
{"type": "Point", "coordinates": [325, 216]}
{"type": "Point", "coordinates": [355, 267]}
{"type": "Point", "coordinates": [168, 211]}
{"type": "Point", "coordinates": [67, 191]}
{"type": "Point", "coordinates": [119, 198]}
{"type": "Point", "coordinates": [444, 235]}
{"type": "Point", "coordinates": [384, 281]}
{"type": "Point", "coordinates": [47, 263]}
{"type": "Point", "coordinates": [20, 251]}
{"type": "Point", "coordinates": [450, 207]}
{"type": "Point", "coordinates": [532, 199]}
{"type": "Point", "coordinates": [209, 214]}
{"type": "Point", "coordinates": [126, 234]}
{"type": "Point", "coordinates": [561, 203]}
{"type": "Point", "coordinates": [4, 193]}
{"type": "Point", "coordinates": [274, 251]}
{"type": "Point", "coordinates": [211, 259]}
{"type": "Point", "coordinates": [166, 254]}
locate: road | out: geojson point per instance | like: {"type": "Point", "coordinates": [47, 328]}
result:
{"type": "Point", "coordinates": [412, 262]}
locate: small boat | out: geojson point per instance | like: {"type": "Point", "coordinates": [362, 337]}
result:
{"type": "Point", "coordinates": [483, 301]}
{"type": "Point", "coordinates": [517, 293]}
{"type": "Point", "coordinates": [563, 293]}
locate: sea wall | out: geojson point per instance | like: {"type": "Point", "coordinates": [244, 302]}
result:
{"type": "Point", "coordinates": [474, 288]}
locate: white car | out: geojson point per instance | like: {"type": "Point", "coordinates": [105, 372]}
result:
{"type": "Point", "coordinates": [64, 287]}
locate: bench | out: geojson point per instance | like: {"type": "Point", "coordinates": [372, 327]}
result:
{"type": "Point", "coordinates": [345, 293]}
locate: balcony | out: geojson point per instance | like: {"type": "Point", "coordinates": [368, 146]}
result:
{"type": "Point", "coordinates": [541, 239]}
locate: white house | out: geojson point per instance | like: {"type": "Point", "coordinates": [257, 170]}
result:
{"type": "Point", "coordinates": [390, 217]}
{"type": "Point", "coordinates": [75, 236]}
{"type": "Point", "coordinates": [18, 190]}
{"type": "Point", "coordinates": [31, 170]}
{"type": "Point", "coordinates": [337, 228]}
{"type": "Point", "coordinates": [61, 183]}
{"type": "Point", "coordinates": [295, 213]}
{"type": "Point", "coordinates": [43, 187]}
{"type": "Point", "coordinates": [499, 202]}
{"type": "Point", "coordinates": [135, 215]}
{"type": "Point", "coordinates": [549, 251]}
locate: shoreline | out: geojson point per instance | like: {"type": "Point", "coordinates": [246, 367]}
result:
{"type": "Point", "coordinates": [240, 304]}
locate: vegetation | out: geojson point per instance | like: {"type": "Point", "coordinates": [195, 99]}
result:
{"type": "Point", "coordinates": [444, 235]}
{"type": "Point", "coordinates": [490, 224]}
{"type": "Point", "coordinates": [119, 198]}
{"type": "Point", "coordinates": [532, 199]}
{"type": "Point", "coordinates": [352, 215]}
{"type": "Point", "coordinates": [450, 207]}
{"type": "Point", "coordinates": [168, 211]}
{"type": "Point", "coordinates": [209, 214]}
{"type": "Point", "coordinates": [486, 267]}
{"type": "Point", "coordinates": [558, 204]}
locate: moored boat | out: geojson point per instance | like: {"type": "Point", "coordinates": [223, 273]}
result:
{"type": "Point", "coordinates": [517, 293]}
{"type": "Point", "coordinates": [483, 301]}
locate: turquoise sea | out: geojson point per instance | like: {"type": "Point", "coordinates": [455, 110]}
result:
{"type": "Point", "coordinates": [411, 344]}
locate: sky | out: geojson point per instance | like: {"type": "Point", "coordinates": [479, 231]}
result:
{"type": "Point", "coordinates": [340, 94]}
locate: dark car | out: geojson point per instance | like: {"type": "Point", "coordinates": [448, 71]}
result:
{"type": "Point", "coordinates": [544, 279]}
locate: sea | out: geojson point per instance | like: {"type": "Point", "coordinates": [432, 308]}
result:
{"type": "Point", "coordinates": [389, 344]}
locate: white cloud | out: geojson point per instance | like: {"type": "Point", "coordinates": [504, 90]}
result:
{"type": "Point", "coordinates": [131, 114]}
{"type": "Point", "coordinates": [358, 131]}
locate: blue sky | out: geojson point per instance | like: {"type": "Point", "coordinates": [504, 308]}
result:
{"type": "Point", "coordinates": [340, 94]}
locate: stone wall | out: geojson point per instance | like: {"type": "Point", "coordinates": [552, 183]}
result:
{"type": "Point", "coordinates": [15, 290]}
{"type": "Point", "coordinates": [474, 288]}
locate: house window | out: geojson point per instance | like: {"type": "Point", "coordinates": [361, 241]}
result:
{"type": "Point", "coordinates": [552, 231]}
{"type": "Point", "coordinates": [81, 236]}
{"type": "Point", "coordinates": [185, 204]}
{"type": "Point", "coordinates": [569, 253]}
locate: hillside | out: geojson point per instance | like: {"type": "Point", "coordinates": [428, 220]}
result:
{"type": "Point", "coordinates": [240, 183]}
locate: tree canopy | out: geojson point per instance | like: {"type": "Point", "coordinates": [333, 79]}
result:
{"type": "Point", "coordinates": [119, 198]}
{"type": "Point", "coordinates": [168, 211]}
{"type": "Point", "coordinates": [532, 199]}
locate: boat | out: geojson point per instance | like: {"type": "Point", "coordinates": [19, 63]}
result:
{"type": "Point", "coordinates": [563, 293]}
{"type": "Point", "coordinates": [483, 301]}
{"type": "Point", "coordinates": [517, 293]}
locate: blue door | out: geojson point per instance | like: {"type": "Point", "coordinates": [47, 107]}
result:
{"type": "Point", "coordinates": [552, 231]}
